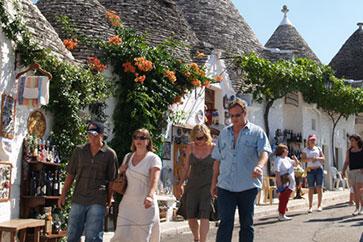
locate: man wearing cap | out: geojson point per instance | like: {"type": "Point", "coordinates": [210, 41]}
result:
{"type": "Point", "coordinates": [240, 154]}
{"type": "Point", "coordinates": [94, 167]}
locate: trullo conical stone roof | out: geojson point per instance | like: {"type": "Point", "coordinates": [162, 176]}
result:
{"type": "Point", "coordinates": [287, 40]}
{"type": "Point", "coordinates": [158, 18]}
{"type": "Point", "coordinates": [348, 62]}
{"type": "Point", "coordinates": [219, 23]}
{"type": "Point", "coordinates": [42, 31]}
{"type": "Point", "coordinates": [88, 16]}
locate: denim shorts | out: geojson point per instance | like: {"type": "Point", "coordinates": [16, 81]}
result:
{"type": "Point", "coordinates": [315, 178]}
{"type": "Point", "coordinates": [90, 218]}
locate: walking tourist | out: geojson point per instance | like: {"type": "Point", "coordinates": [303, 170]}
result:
{"type": "Point", "coordinates": [284, 166]}
{"type": "Point", "coordinates": [241, 152]}
{"type": "Point", "coordinates": [138, 213]}
{"type": "Point", "coordinates": [313, 155]}
{"type": "Point", "coordinates": [354, 158]}
{"type": "Point", "coordinates": [196, 200]}
{"type": "Point", "coordinates": [94, 167]}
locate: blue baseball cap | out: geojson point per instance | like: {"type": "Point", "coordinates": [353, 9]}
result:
{"type": "Point", "coordinates": [95, 128]}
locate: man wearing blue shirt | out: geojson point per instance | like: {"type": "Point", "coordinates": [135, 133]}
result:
{"type": "Point", "coordinates": [240, 154]}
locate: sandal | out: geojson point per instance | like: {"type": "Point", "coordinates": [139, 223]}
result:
{"type": "Point", "coordinates": [196, 240]}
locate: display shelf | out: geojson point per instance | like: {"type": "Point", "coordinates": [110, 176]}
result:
{"type": "Point", "coordinates": [45, 163]}
{"type": "Point", "coordinates": [40, 188]}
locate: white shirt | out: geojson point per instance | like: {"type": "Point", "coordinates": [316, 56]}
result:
{"type": "Point", "coordinates": [313, 154]}
{"type": "Point", "coordinates": [286, 166]}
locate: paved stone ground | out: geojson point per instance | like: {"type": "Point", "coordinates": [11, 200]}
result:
{"type": "Point", "coordinates": [335, 223]}
{"type": "Point", "coordinates": [171, 229]}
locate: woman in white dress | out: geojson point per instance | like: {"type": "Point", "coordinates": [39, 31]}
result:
{"type": "Point", "coordinates": [138, 215]}
{"type": "Point", "coordinates": [284, 166]}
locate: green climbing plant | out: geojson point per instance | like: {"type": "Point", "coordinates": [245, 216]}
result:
{"type": "Point", "coordinates": [72, 89]}
{"type": "Point", "coordinates": [149, 79]}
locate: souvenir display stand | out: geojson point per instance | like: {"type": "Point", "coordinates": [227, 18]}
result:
{"type": "Point", "coordinates": [40, 186]}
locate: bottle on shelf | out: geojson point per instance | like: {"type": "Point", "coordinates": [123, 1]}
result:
{"type": "Point", "coordinates": [55, 154]}
{"type": "Point", "coordinates": [43, 183]}
{"type": "Point", "coordinates": [40, 150]}
{"type": "Point", "coordinates": [49, 183]}
{"type": "Point", "coordinates": [39, 184]}
{"type": "Point", "coordinates": [48, 148]}
{"type": "Point", "coordinates": [56, 184]}
{"type": "Point", "coordinates": [33, 184]}
{"type": "Point", "coordinates": [48, 220]}
{"type": "Point", "coordinates": [35, 148]}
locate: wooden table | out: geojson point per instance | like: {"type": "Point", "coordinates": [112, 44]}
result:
{"type": "Point", "coordinates": [15, 225]}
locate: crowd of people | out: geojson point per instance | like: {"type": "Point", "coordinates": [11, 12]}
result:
{"type": "Point", "coordinates": [229, 172]}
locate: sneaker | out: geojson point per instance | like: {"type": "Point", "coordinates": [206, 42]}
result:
{"type": "Point", "coordinates": [310, 210]}
{"type": "Point", "coordinates": [320, 209]}
{"type": "Point", "coordinates": [356, 212]}
{"type": "Point", "coordinates": [284, 218]}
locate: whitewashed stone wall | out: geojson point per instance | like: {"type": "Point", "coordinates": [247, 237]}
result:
{"type": "Point", "coordinates": [8, 85]}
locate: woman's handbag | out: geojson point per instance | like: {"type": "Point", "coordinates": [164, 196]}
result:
{"type": "Point", "coordinates": [214, 210]}
{"type": "Point", "coordinates": [120, 184]}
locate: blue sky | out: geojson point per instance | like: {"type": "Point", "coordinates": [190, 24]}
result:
{"type": "Point", "coordinates": [324, 24]}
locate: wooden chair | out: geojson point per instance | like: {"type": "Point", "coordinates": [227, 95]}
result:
{"type": "Point", "coordinates": [267, 189]}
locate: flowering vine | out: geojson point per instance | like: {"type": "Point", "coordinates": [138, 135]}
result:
{"type": "Point", "coordinates": [114, 18]}
{"type": "Point", "coordinates": [115, 40]}
{"type": "Point", "coordinates": [95, 64]}
{"type": "Point", "coordinates": [70, 44]}
{"type": "Point", "coordinates": [149, 79]}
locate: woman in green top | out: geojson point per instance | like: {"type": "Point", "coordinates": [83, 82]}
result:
{"type": "Point", "coordinates": [196, 197]}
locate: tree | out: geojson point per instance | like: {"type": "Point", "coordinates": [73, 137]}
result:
{"type": "Point", "coordinates": [339, 101]}
{"type": "Point", "coordinates": [268, 81]}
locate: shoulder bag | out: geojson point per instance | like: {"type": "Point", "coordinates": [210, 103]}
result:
{"type": "Point", "coordinates": [120, 184]}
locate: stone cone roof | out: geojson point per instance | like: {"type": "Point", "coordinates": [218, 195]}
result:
{"type": "Point", "coordinates": [219, 25]}
{"type": "Point", "coordinates": [287, 38]}
{"type": "Point", "coordinates": [88, 16]}
{"type": "Point", "coordinates": [160, 19]}
{"type": "Point", "coordinates": [348, 62]}
{"type": "Point", "coordinates": [38, 26]}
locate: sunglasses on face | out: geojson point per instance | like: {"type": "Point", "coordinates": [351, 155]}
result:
{"type": "Point", "coordinates": [140, 137]}
{"type": "Point", "coordinates": [200, 138]}
{"type": "Point", "coordinates": [235, 115]}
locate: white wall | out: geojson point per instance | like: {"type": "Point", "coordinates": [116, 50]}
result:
{"type": "Point", "coordinates": [324, 133]}
{"type": "Point", "coordinates": [8, 85]}
{"type": "Point", "coordinates": [358, 129]}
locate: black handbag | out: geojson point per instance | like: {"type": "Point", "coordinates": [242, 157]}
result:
{"type": "Point", "coordinates": [214, 210]}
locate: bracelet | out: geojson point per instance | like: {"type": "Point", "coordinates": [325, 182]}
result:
{"type": "Point", "coordinates": [259, 166]}
{"type": "Point", "coordinates": [150, 196]}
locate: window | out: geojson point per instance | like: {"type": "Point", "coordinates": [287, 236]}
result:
{"type": "Point", "coordinates": [313, 124]}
